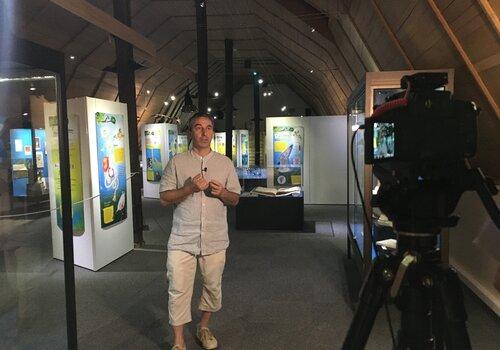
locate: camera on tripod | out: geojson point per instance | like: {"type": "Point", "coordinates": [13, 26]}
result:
{"type": "Point", "coordinates": [419, 143]}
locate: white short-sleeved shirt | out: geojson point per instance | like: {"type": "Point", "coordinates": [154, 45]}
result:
{"type": "Point", "coordinates": [200, 221]}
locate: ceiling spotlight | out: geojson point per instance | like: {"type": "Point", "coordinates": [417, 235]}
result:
{"type": "Point", "coordinates": [209, 109]}
{"type": "Point", "coordinates": [172, 97]}
{"type": "Point", "coordinates": [264, 94]}
{"type": "Point", "coordinates": [72, 57]}
{"type": "Point", "coordinates": [313, 30]}
{"type": "Point", "coordinates": [215, 117]}
{"type": "Point", "coordinates": [283, 108]}
{"type": "Point", "coordinates": [254, 73]}
{"type": "Point", "coordinates": [260, 81]}
{"type": "Point", "coordinates": [32, 87]}
{"type": "Point", "coordinates": [165, 103]}
{"type": "Point", "coordinates": [302, 116]}
{"type": "Point", "coordinates": [25, 114]}
{"type": "Point", "coordinates": [216, 94]}
{"type": "Point", "coordinates": [311, 71]}
{"type": "Point", "coordinates": [148, 91]}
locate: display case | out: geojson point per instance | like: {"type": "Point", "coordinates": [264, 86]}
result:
{"type": "Point", "coordinates": [268, 208]}
{"type": "Point", "coordinates": [369, 94]}
{"type": "Point", "coordinates": [38, 293]}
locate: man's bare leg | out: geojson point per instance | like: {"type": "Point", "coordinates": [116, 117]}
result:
{"type": "Point", "coordinates": [205, 317]}
{"type": "Point", "coordinates": [179, 335]}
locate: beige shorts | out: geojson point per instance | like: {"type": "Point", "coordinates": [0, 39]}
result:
{"type": "Point", "coordinates": [181, 271]}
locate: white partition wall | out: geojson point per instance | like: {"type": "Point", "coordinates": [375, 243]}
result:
{"type": "Point", "coordinates": [159, 145]}
{"type": "Point", "coordinates": [100, 175]}
{"type": "Point", "coordinates": [323, 173]}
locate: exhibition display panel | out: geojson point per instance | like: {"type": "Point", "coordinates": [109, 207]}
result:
{"type": "Point", "coordinates": [239, 146]}
{"type": "Point", "coordinates": [27, 157]}
{"type": "Point", "coordinates": [308, 152]}
{"type": "Point", "coordinates": [100, 181]}
{"type": "Point", "coordinates": [182, 143]}
{"type": "Point", "coordinates": [159, 144]}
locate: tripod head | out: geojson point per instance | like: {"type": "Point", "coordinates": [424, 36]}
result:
{"type": "Point", "coordinates": [419, 143]}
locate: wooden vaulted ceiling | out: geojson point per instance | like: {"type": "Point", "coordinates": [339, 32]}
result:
{"type": "Point", "coordinates": [351, 37]}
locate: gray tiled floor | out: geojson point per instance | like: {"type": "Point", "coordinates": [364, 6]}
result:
{"type": "Point", "coordinates": [282, 290]}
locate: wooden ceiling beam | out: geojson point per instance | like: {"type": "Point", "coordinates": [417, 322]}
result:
{"type": "Point", "coordinates": [490, 13]}
{"type": "Point", "coordinates": [465, 57]}
{"type": "Point", "coordinates": [108, 23]}
{"type": "Point", "coordinates": [391, 34]}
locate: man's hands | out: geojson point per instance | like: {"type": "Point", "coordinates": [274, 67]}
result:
{"type": "Point", "coordinates": [216, 188]}
{"type": "Point", "coordinates": [219, 191]}
{"type": "Point", "coordinates": [198, 183]}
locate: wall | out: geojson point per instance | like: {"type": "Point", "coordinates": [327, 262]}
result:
{"type": "Point", "coordinates": [475, 249]}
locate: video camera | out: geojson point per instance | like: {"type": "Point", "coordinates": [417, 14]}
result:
{"type": "Point", "coordinates": [419, 142]}
{"type": "Point", "coordinates": [425, 124]}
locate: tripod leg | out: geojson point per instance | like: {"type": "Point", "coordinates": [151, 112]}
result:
{"type": "Point", "coordinates": [415, 303]}
{"type": "Point", "coordinates": [451, 308]}
{"type": "Point", "coordinates": [372, 297]}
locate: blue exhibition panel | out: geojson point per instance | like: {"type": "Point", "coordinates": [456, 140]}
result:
{"type": "Point", "coordinates": [21, 151]}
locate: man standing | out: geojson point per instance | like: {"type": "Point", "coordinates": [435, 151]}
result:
{"type": "Point", "coordinates": [200, 183]}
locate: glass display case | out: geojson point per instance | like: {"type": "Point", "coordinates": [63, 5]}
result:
{"type": "Point", "coordinates": [355, 150]}
{"type": "Point", "coordinates": [262, 207]}
{"type": "Point", "coordinates": [35, 308]}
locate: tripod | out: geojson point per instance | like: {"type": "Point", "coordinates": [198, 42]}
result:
{"type": "Point", "coordinates": [427, 293]}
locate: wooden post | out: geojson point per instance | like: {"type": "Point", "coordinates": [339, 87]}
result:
{"type": "Point", "coordinates": [126, 91]}
{"type": "Point", "coordinates": [228, 94]}
{"type": "Point", "coordinates": [202, 44]}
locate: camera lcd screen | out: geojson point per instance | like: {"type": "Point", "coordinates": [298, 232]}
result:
{"type": "Point", "coordinates": [383, 140]}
